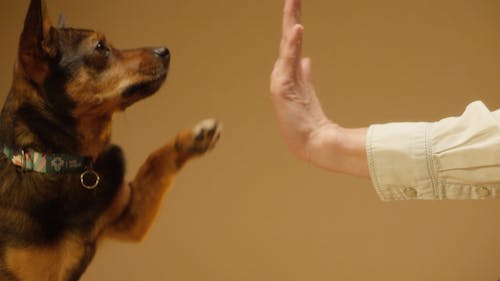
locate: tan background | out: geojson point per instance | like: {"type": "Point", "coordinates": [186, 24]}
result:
{"type": "Point", "coordinates": [249, 211]}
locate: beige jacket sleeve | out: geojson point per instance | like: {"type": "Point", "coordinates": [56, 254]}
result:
{"type": "Point", "coordinates": [455, 158]}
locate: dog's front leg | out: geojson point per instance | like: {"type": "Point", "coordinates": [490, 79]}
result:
{"type": "Point", "coordinates": [151, 183]}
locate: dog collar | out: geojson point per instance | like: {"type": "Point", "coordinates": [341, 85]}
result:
{"type": "Point", "coordinates": [31, 160]}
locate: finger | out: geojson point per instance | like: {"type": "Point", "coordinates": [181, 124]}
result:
{"type": "Point", "coordinates": [290, 54]}
{"type": "Point", "coordinates": [291, 15]}
{"type": "Point", "coordinates": [307, 70]}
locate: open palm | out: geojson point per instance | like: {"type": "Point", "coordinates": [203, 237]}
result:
{"type": "Point", "coordinates": [298, 110]}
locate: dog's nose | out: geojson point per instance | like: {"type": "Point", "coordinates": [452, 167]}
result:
{"type": "Point", "coordinates": [162, 52]}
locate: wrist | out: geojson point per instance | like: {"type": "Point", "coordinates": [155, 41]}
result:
{"type": "Point", "coordinates": [339, 149]}
{"type": "Point", "coordinates": [323, 143]}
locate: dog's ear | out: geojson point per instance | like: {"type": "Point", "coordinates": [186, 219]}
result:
{"type": "Point", "coordinates": [37, 43]}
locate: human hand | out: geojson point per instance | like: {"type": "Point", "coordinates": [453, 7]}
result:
{"type": "Point", "coordinates": [297, 107]}
{"type": "Point", "coordinates": [309, 134]}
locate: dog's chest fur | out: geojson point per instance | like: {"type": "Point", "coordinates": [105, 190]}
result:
{"type": "Point", "coordinates": [65, 260]}
{"type": "Point", "coordinates": [51, 221]}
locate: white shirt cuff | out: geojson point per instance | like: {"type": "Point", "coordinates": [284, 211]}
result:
{"type": "Point", "coordinates": [454, 158]}
{"type": "Point", "coordinates": [398, 162]}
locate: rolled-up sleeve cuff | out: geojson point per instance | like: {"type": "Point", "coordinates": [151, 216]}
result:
{"type": "Point", "coordinates": [400, 161]}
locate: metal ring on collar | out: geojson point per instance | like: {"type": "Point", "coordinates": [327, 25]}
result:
{"type": "Point", "coordinates": [87, 173]}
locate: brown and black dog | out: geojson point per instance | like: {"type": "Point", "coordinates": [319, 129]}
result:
{"type": "Point", "coordinates": [61, 181]}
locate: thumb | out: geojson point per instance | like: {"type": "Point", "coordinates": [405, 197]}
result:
{"type": "Point", "coordinates": [306, 67]}
{"type": "Point", "coordinates": [307, 80]}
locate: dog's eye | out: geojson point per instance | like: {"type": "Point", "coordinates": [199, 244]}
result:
{"type": "Point", "coordinates": [101, 47]}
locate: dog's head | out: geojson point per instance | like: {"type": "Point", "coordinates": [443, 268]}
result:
{"type": "Point", "coordinates": [79, 71]}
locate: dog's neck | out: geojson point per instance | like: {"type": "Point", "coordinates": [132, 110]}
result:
{"type": "Point", "coordinates": [94, 133]}
{"type": "Point", "coordinates": [26, 123]}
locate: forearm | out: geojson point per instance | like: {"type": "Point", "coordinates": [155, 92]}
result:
{"type": "Point", "coordinates": [339, 149]}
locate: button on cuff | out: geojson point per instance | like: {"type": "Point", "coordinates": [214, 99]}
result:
{"type": "Point", "coordinates": [483, 192]}
{"type": "Point", "coordinates": [411, 192]}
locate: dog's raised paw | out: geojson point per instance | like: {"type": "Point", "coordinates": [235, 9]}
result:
{"type": "Point", "coordinates": [206, 134]}
{"type": "Point", "coordinates": [202, 138]}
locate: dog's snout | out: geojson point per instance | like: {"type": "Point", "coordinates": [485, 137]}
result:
{"type": "Point", "coordinates": [162, 52]}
